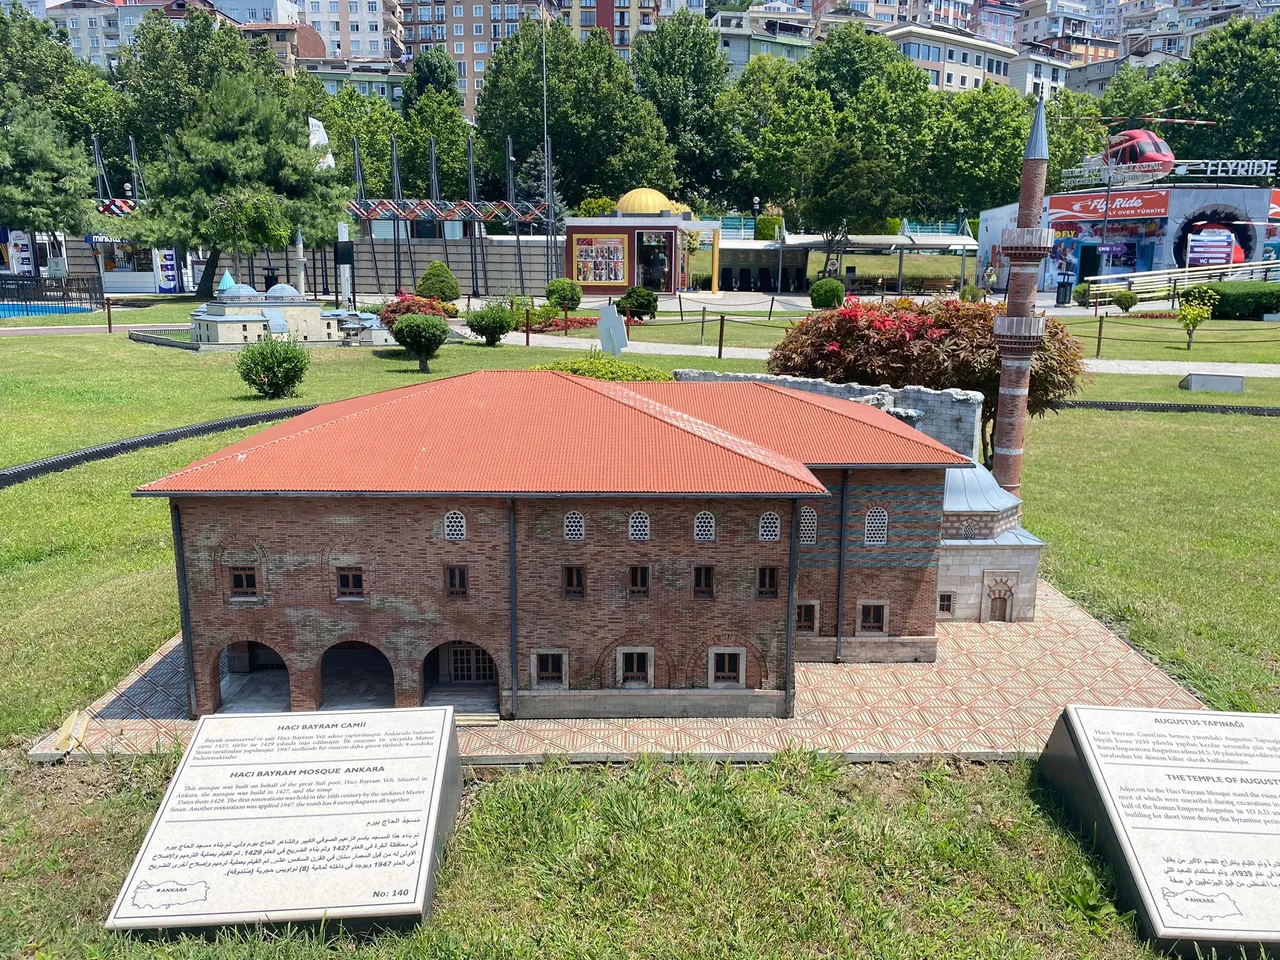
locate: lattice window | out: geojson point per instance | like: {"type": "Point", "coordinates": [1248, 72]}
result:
{"type": "Point", "coordinates": [638, 526]}
{"type": "Point", "coordinates": [455, 525]}
{"type": "Point", "coordinates": [704, 526]}
{"type": "Point", "coordinates": [575, 526]}
{"type": "Point", "coordinates": [808, 525]}
{"type": "Point", "coordinates": [969, 530]}
{"type": "Point", "coordinates": [770, 526]}
{"type": "Point", "coordinates": [876, 530]}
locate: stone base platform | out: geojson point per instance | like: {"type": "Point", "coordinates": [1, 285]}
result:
{"type": "Point", "coordinates": [994, 692]}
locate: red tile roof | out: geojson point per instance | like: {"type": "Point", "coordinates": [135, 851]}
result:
{"type": "Point", "coordinates": [496, 433]}
{"type": "Point", "coordinates": [541, 432]}
{"type": "Point", "coordinates": [808, 427]}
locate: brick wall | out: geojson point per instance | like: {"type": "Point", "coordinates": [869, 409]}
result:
{"type": "Point", "coordinates": [952, 417]}
{"type": "Point", "coordinates": [296, 544]}
{"type": "Point", "coordinates": [985, 526]}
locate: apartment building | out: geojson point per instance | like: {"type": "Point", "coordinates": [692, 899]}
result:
{"type": "Point", "coordinates": [1094, 78]}
{"type": "Point", "coordinates": [1078, 48]}
{"type": "Point", "coordinates": [1042, 19]}
{"type": "Point", "coordinates": [471, 33]}
{"type": "Point", "coordinates": [949, 13]}
{"type": "Point", "coordinates": [290, 42]}
{"type": "Point", "coordinates": [828, 14]}
{"type": "Point", "coordinates": [360, 29]}
{"type": "Point", "coordinates": [96, 29]}
{"type": "Point", "coordinates": [954, 59]}
{"type": "Point", "coordinates": [261, 11]}
{"type": "Point", "coordinates": [995, 20]}
{"type": "Point", "coordinates": [371, 78]}
{"type": "Point", "coordinates": [776, 29]}
{"type": "Point", "coordinates": [1036, 73]}
{"type": "Point", "coordinates": [621, 19]}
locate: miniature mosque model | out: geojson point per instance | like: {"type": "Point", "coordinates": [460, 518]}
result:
{"type": "Point", "coordinates": [239, 314]}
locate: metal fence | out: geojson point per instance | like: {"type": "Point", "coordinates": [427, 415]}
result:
{"type": "Point", "coordinates": [21, 296]}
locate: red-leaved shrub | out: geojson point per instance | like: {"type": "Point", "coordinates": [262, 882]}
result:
{"type": "Point", "coordinates": [937, 344]}
{"type": "Point", "coordinates": [406, 303]}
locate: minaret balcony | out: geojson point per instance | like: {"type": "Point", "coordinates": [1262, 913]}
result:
{"type": "Point", "coordinates": [1026, 243]}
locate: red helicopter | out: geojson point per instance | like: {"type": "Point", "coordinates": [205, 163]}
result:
{"type": "Point", "coordinates": [1140, 146]}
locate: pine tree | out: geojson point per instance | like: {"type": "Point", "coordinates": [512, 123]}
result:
{"type": "Point", "coordinates": [531, 184]}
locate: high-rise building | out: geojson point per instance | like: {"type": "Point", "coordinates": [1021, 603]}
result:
{"type": "Point", "coordinates": [97, 29]}
{"type": "Point", "coordinates": [622, 20]}
{"type": "Point", "coordinates": [954, 59]}
{"type": "Point", "coordinates": [359, 29]}
{"type": "Point", "coordinates": [950, 13]}
{"type": "Point", "coordinates": [469, 32]}
{"type": "Point", "coordinates": [995, 20]}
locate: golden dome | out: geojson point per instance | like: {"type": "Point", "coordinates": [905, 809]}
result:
{"type": "Point", "coordinates": [643, 200]}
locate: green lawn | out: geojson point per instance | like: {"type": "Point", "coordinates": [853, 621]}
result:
{"type": "Point", "coordinates": [1154, 338]}
{"type": "Point", "coordinates": [170, 309]}
{"type": "Point", "coordinates": [795, 858]}
{"type": "Point", "coordinates": [61, 393]}
{"type": "Point", "coordinates": [1258, 391]}
{"type": "Point", "coordinates": [1166, 525]}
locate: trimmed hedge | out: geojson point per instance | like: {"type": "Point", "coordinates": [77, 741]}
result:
{"type": "Point", "coordinates": [604, 366]}
{"type": "Point", "coordinates": [1240, 299]}
{"type": "Point", "coordinates": [826, 293]}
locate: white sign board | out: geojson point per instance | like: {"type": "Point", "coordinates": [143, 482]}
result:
{"type": "Point", "coordinates": [1186, 806]}
{"type": "Point", "coordinates": [612, 329]}
{"type": "Point", "coordinates": [296, 817]}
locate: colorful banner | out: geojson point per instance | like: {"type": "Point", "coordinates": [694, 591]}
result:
{"type": "Point", "coordinates": [1275, 206]}
{"type": "Point", "coordinates": [165, 265]}
{"type": "Point", "coordinates": [1125, 205]}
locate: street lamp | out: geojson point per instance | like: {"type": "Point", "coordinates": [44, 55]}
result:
{"type": "Point", "coordinates": [755, 206]}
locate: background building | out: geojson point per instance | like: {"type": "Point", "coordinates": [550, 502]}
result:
{"type": "Point", "coordinates": [98, 28]}
{"type": "Point", "coordinates": [1037, 73]}
{"type": "Point", "coordinates": [954, 59]}
{"type": "Point", "coordinates": [290, 42]}
{"type": "Point", "coordinates": [361, 29]}
{"type": "Point", "coordinates": [995, 20]}
{"type": "Point", "coordinates": [777, 29]}
{"type": "Point", "coordinates": [371, 78]}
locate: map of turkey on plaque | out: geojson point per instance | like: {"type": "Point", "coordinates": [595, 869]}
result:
{"type": "Point", "coordinates": [1185, 805]}
{"type": "Point", "coordinates": [299, 817]}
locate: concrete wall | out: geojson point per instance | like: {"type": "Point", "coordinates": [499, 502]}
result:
{"type": "Point", "coordinates": [974, 573]}
{"type": "Point", "coordinates": [952, 417]}
{"type": "Point", "coordinates": [375, 269]}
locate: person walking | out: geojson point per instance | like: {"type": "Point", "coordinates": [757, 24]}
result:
{"type": "Point", "coordinates": [988, 281]}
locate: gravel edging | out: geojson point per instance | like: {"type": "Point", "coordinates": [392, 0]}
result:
{"type": "Point", "coordinates": [103, 451]}
{"type": "Point", "coordinates": [1154, 407]}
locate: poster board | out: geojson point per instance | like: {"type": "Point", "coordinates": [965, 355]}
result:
{"type": "Point", "coordinates": [600, 259]}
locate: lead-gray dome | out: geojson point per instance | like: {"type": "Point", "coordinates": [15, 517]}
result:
{"type": "Point", "coordinates": [240, 291]}
{"type": "Point", "coordinates": [975, 491]}
{"type": "Point", "coordinates": [283, 291]}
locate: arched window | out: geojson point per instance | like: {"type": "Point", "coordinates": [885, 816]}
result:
{"type": "Point", "coordinates": [808, 525]}
{"type": "Point", "coordinates": [770, 526]}
{"type": "Point", "coordinates": [455, 525]}
{"type": "Point", "coordinates": [575, 526]}
{"type": "Point", "coordinates": [638, 526]}
{"type": "Point", "coordinates": [704, 526]}
{"type": "Point", "coordinates": [876, 529]}
{"type": "Point", "coordinates": [969, 530]}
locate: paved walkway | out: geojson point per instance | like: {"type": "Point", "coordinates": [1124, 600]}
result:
{"type": "Point", "coordinates": [994, 692]}
{"type": "Point", "coordinates": [1180, 368]}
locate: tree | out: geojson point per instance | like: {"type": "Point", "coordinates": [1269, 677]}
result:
{"type": "Point", "coordinates": [605, 137]}
{"type": "Point", "coordinates": [779, 115]}
{"type": "Point", "coordinates": [45, 182]}
{"type": "Point", "coordinates": [679, 68]}
{"type": "Point", "coordinates": [273, 367]}
{"type": "Point", "coordinates": [847, 58]}
{"type": "Point", "coordinates": [433, 69]}
{"type": "Point", "coordinates": [1075, 132]}
{"type": "Point", "coordinates": [170, 67]}
{"type": "Point", "coordinates": [977, 160]}
{"type": "Point", "coordinates": [372, 121]}
{"type": "Point", "coordinates": [851, 189]}
{"type": "Point", "coordinates": [438, 115]}
{"type": "Point", "coordinates": [1134, 93]}
{"type": "Point", "coordinates": [240, 175]}
{"type": "Point", "coordinates": [421, 336]}
{"type": "Point", "coordinates": [1233, 78]}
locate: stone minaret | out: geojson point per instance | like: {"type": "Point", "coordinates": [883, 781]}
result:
{"type": "Point", "coordinates": [1020, 331]}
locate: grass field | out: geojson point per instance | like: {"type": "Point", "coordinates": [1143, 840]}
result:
{"type": "Point", "coordinates": [795, 858]}
{"type": "Point", "coordinates": [1154, 338]}
{"type": "Point", "coordinates": [66, 392]}
{"type": "Point", "coordinates": [1258, 391]}
{"type": "Point", "coordinates": [1163, 525]}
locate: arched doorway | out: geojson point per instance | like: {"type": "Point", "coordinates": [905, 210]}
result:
{"type": "Point", "coordinates": [461, 675]}
{"type": "Point", "coordinates": [356, 676]}
{"type": "Point", "coordinates": [252, 678]}
{"type": "Point", "coordinates": [999, 609]}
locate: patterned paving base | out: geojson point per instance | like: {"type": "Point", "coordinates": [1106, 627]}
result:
{"type": "Point", "coordinates": [995, 691]}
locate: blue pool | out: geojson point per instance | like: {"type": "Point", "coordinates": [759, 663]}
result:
{"type": "Point", "coordinates": [38, 309]}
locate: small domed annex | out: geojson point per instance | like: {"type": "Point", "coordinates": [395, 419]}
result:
{"type": "Point", "coordinates": [239, 291]}
{"type": "Point", "coordinates": [283, 291]}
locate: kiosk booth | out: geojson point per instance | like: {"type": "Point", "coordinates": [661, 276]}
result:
{"type": "Point", "coordinates": [645, 243]}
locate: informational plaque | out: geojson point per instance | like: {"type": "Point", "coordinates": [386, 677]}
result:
{"type": "Point", "coordinates": [297, 817]}
{"type": "Point", "coordinates": [1185, 804]}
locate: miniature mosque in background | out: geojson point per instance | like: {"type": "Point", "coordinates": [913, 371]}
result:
{"type": "Point", "coordinates": [239, 314]}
